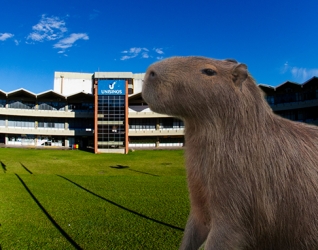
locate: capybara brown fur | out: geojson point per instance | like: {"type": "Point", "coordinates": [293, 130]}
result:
{"type": "Point", "coordinates": [252, 175]}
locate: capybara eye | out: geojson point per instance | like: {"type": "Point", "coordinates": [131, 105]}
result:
{"type": "Point", "coordinates": [209, 72]}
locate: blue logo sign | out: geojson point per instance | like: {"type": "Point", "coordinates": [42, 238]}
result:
{"type": "Point", "coordinates": [111, 87]}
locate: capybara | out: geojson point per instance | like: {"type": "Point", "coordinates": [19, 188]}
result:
{"type": "Point", "coordinates": [252, 175]}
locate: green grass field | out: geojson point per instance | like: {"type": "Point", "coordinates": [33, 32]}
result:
{"type": "Point", "coordinates": [51, 199]}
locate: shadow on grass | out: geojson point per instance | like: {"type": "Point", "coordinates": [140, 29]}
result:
{"type": "Point", "coordinates": [26, 168]}
{"type": "Point", "coordinates": [57, 226]}
{"type": "Point", "coordinates": [127, 167]}
{"type": "Point", "coordinates": [122, 207]}
{"type": "Point", "coordinates": [4, 167]}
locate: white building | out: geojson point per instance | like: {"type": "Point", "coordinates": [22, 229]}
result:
{"type": "Point", "coordinates": [103, 111]}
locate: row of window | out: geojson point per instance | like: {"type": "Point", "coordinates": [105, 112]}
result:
{"type": "Point", "coordinates": [111, 101]}
{"type": "Point", "coordinates": [111, 117]}
{"type": "Point", "coordinates": [111, 110]}
{"type": "Point", "coordinates": [88, 123]}
{"type": "Point", "coordinates": [58, 123]}
{"type": "Point", "coordinates": [292, 97]}
{"type": "Point", "coordinates": [36, 140]}
{"type": "Point", "coordinates": [111, 137]}
{"type": "Point", "coordinates": [54, 106]}
{"type": "Point", "coordinates": [307, 115]}
{"type": "Point", "coordinates": [154, 139]}
{"type": "Point", "coordinates": [111, 129]}
{"type": "Point", "coordinates": [153, 123]}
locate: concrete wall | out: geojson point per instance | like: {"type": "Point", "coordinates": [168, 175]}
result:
{"type": "Point", "coordinates": [67, 83]}
{"type": "Point", "coordinates": [138, 81]}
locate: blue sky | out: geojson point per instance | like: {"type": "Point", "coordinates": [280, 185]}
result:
{"type": "Point", "coordinates": [276, 39]}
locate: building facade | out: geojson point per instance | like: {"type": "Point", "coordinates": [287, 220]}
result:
{"type": "Point", "coordinates": [297, 102]}
{"type": "Point", "coordinates": [45, 119]}
{"type": "Point", "coordinates": [105, 112]}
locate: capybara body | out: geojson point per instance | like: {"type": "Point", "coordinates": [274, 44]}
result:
{"type": "Point", "coordinates": [252, 175]}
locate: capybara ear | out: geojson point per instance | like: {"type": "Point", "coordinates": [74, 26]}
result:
{"type": "Point", "coordinates": [239, 74]}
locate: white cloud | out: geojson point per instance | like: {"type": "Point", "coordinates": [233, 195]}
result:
{"type": "Point", "coordinates": [134, 52]}
{"type": "Point", "coordinates": [140, 52]}
{"type": "Point", "coordinates": [145, 55]}
{"type": "Point", "coordinates": [5, 36]}
{"type": "Point", "coordinates": [298, 73]}
{"type": "Point", "coordinates": [16, 42]}
{"type": "Point", "coordinates": [54, 29]}
{"type": "Point", "coordinates": [158, 51]}
{"type": "Point", "coordinates": [123, 58]}
{"type": "Point", "coordinates": [69, 41]}
{"type": "Point", "coordinates": [303, 74]}
{"type": "Point", "coordinates": [48, 29]}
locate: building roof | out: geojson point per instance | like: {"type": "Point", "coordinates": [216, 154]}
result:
{"type": "Point", "coordinates": [113, 75]}
{"type": "Point", "coordinates": [73, 75]}
{"type": "Point", "coordinates": [311, 81]}
{"type": "Point", "coordinates": [21, 93]}
{"type": "Point", "coordinates": [81, 95]}
{"type": "Point", "coordinates": [50, 94]}
{"type": "Point", "coordinates": [266, 86]}
{"type": "Point", "coordinates": [288, 84]}
{"type": "Point", "coordinates": [135, 96]}
{"type": "Point", "coordinates": [2, 93]}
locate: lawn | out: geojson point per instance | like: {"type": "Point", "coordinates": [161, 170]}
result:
{"type": "Point", "coordinates": [51, 199]}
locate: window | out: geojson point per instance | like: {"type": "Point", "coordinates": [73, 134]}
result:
{"type": "Point", "coordinates": [15, 104]}
{"type": "Point", "coordinates": [51, 123]}
{"type": "Point", "coordinates": [3, 103]}
{"type": "Point", "coordinates": [21, 122]}
{"type": "Point", "coordinates": [2, 121]}
{"type": "Point", "coordinates": [270, 99]}
{"type": "Point", "coordinates": [80, 124]}
{"type": "Point", "coordinates": [58, 106]}
{"type": "Point", "coordinates": [84, 106]}
{"type": "Point", "coordinates": [142, 124]}
{"type": "Point", "coordinates": [111, 121]}
{"type": "Point", "coordinates": [171, 123]}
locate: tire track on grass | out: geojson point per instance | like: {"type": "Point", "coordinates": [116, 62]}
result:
{"type": "Point", "coordinates": [122, 207]}
{"type": "Point", "coordinates": [55, 224]}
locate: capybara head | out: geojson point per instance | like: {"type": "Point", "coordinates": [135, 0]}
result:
{"type": "Point", "coordinates": [187, 86]}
